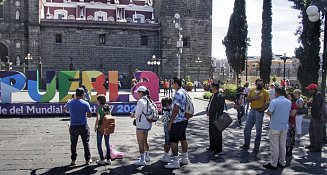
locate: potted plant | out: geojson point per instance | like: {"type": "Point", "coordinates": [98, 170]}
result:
{"type": "Point", "coordinates": [188, 85]}
{"type": "Point", "coordinates": [205, 85]}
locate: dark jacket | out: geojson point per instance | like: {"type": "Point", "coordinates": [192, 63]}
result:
{"type": "Point", "coordinates": [217, 103]}
{"type": "Point", "coordinates": [316, 105]}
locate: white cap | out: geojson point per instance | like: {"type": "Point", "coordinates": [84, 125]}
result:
{"type": "Point", "coordinates": [141, 89]}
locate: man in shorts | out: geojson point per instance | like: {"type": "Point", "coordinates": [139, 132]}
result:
{"type": "Point", "coordinates": [177, 126]}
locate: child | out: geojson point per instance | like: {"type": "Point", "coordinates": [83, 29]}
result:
{"type": "Point", "coordinates": [102, 110]}
{"type": "Point", "coordinates": [166, 114]}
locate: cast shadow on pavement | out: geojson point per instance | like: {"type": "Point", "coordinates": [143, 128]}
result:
{"type": "Point", "coordinates": [148, 169]}
{"type": "Point", "coordinates": [87, 169]}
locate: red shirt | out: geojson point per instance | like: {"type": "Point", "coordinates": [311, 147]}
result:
{"type": "Point", "coordinates": [291, 120]}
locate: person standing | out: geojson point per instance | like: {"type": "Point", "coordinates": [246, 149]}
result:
{"type": "Point", "coordinates": [279, 111]}
{"type": "Point", "coordinates": [291, 125]}
{"type": "Point", "coordinates": [165, 86]}
{"type": "Point", "coordinates": [259, 99]}
{"type": "Point", "coordinates": [177, 126]}
{"type": "Point", "coordinates": [272, 92]}
{"type": "Point", "coordinates": [143, 126]}
{"type": "Point", "coordinates": [195, 83]}
{"type": "Point", "coordinates": [79, 109]}
{"type": "Point", "coordinates": [215, 107]}
{"type": "Point", "coordinates": [299, 115]}
{"type": "Point", "coordinates": [239, 104]}
{"type": "Point", "coordinates": [102, 110]}
{"type": "Point", "coordinates": [246, 93]}
{"type": "Point", "coordinates": [87, 95]}
{"type": "Point", "coordinates": [316, 121]}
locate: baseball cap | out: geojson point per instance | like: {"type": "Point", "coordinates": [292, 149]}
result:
{"type": "Point", "coordinates": [141, 89]}
{"type": "Point", "coordinates": [312, 86]}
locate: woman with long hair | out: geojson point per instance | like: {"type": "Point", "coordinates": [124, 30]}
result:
{"type": "Point", "coordinates": [291, 125]}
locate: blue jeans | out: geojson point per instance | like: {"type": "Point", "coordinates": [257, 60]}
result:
{"type": "Point", "coordinates": [99, 144]}
{"type": "Point", "coordinates": [254, 118]}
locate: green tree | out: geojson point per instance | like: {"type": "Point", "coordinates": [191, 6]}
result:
{"type": "Point", "coordinates": [266, 36]}
{"type": "Point", "coordinates": [308, 51]}
{"type": "Point", "coordinates": [236, 40]}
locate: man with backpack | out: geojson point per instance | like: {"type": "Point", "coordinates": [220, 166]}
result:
{"type": "Point", "coordinates": [177, 125]}
{"type": "Point", "coordinates": [316, 102]}
{"type": "Point", "coordinates": [216, 106]}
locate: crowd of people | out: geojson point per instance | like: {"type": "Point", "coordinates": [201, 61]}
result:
{"type": "Point", "coordinates": [286, 111]}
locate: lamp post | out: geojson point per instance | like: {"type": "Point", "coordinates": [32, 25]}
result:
{"type": "Point", "coordinates": [284, 58]}
{"type": "Point", "coordinates": [314, 16]}
{"type": "Point", "coordinates": [154, 62]}
{"type": "Point", "coordinates": [198, 61]}
{"type": "Point", "coordinates": [40, 68]}
{"type": "Point", "coordinates": [28, 58]}
{"type": "Point", "coordinates": [177, 23]}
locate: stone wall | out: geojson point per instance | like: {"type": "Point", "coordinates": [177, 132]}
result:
{"type": "Point", "coordinates": [122, 50]}
{"type": "Point", "coordinates": [196, 25]}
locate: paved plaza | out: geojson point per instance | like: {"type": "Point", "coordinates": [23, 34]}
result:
{"type": "Point", "coordinates": [41, 146]}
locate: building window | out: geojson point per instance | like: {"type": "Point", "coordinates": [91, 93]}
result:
{"type": "Point", "coordinates": [188, 12]}
{"type": "Point", "coordinates": [1, 10]}
{"type": "Point", "coordinates": [58, 38]}
{"type": "Point", "coordinates": [102, 38]}
{"type": "Point", "coordinates": [186, 42]}
{"type": "Point", "coordinates": [144, 40]}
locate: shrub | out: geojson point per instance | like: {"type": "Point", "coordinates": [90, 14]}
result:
{"type": "Point", "coordinates": [189, 83]}
{"type": "Point", "coordinates": [230, 91]}
{"type": "Point", "coordinates": [207, 95]}
{"type": "Point", "coordinates": [205, 82]}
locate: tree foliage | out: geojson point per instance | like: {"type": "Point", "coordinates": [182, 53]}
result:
{"type": "Point", "coordinates": [308, 51]}
{"type": "Point", "coordinates": [266, 50]}
{"type": "Point", "coordinates": [236, 40]}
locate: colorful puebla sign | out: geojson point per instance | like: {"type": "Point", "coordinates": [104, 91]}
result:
{"type": "Point", "coordinates": [13, 82]}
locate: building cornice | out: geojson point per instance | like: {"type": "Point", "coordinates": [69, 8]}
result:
{"type": "Point", "coordinates": [99, 25]}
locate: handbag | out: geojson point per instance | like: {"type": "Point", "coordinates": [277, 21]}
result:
{"type": "Point", "coordinates": [222, 121]}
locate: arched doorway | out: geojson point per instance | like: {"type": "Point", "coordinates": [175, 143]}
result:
{"type": "Point", "coordinates": [3, 53]}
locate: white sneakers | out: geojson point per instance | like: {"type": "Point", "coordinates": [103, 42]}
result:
{"type": "Point", "coordinates": [100, 162]}
{"type": "Point", "coordinates": [88, 162]}
{"type": "Point", "coordinates": [104, 162]}
{"type": "Point", "coordinates": [147, 158]}
{"type": "Point", "coordinates": [176, 162]}
{"type": "Point", "coordinates": [184, 160]}
{"type": "Point", "coordinates": [166, 159]}
{"type": "Point", "coordinates": [173, 164]}
{"type": "Point", "coordinates": [140, 162]}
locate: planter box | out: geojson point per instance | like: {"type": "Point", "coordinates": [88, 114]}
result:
{"type": "Point", "coordinates": [188, 88]}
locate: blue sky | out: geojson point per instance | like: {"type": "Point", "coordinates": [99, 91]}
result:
{"type": "Point", "coordinates": [285, 23]}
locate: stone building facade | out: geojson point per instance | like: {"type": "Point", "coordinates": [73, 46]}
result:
{"type": "Point", "coordinates": [106, 35]}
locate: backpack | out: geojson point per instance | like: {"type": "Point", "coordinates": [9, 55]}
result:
{"type": "Point", "coordinates": [189, 109]}
{"type": "Point", "coordinates": [108, 125]}
{"type": "Point", "coordinates": [151, 111]}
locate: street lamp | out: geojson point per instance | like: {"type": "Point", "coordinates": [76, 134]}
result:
{"type": "Point", "coordinates": [314, 16]}
{"type": "Point", "coordinates": [28, 58]}
{"type": "Point", "coordinates": [198, 61]}
{"type": "Point", "coordinates": [154, 62]}
{"type": "Point", "coordinates": [284, 58]}
{"type": "Point", "coordinates": [177, 23]}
